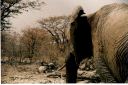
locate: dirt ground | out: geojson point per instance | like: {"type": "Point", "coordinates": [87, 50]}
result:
{"type": "Point", "coordinates": [11, 74]}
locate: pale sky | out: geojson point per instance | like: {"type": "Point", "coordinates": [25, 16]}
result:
{"type": "Point", "coordinates": [57, 8]}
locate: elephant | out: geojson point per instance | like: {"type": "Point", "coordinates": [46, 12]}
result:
{"type": "Point", "coordinates": [102, 35]}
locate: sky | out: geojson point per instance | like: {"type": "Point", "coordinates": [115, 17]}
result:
{"type": "Point", "coordinates": [56, 8]}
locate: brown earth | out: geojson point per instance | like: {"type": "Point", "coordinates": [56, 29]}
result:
{"type": "Point", "coordinates": [14, 74]}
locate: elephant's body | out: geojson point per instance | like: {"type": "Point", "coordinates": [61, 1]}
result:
{"type": "Point", "coordinates": [109, 35]}
{"type": "Point", "coordinates": [110, 41]}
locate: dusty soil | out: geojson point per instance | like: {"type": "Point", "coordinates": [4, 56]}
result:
{"type": "Point", "coordinates": [11, 74]}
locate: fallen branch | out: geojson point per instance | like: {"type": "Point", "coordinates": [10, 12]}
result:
{"type": "Point", "coordinates": [61, 67]}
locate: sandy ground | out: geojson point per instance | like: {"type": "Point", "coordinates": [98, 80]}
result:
{"type": "Point", "coordinates": [29, 74]}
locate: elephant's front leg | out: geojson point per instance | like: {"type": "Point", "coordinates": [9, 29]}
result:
{"type": "Point", "coordinates": [71, 69]}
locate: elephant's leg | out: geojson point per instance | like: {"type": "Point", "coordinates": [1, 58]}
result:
{"type": "Point", "coordinates": [71, 69]}
{"type": "Point", "coordinates": [104, 71]}
{"type": "Point", "coordinates": [72, 65]}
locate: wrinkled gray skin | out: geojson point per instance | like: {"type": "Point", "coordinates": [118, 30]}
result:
{"type": "Point", "coordinates": [109, 35]}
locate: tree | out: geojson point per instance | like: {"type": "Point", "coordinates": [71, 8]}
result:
{"type": "Point", "coordinates": [31, 41]}
{"type": "Point", "coordinates": [9, 45]}
{"type": "Point", "coordinates": [9, 8]}
{"type": "Point", "coordinates": [56, 26]}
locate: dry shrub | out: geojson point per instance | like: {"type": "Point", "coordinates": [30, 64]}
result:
{"type": "Point", "coordinates": [54, 55]}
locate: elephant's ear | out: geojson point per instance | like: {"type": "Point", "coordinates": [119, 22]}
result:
{"type": "Point", "coordinates": [80, 34]}
{"type": "Point", "coordinates": [78, 11]}
{"type": "Point", "coordinates": [73, 23]}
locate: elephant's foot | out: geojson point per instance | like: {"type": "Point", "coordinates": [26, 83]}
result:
{"type": "Point", "coordinates": [71, 69]}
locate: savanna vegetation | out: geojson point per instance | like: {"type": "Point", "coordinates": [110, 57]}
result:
{"type": "Point", "coordinates": [47, 43]}
{"type": "Point", "coordinates": [22, 53]}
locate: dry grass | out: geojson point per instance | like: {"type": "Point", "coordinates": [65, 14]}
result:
{"type": "Point", "coordinates": [28, 74]}
{"type": "Point", "coordinates": [25, 74]}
